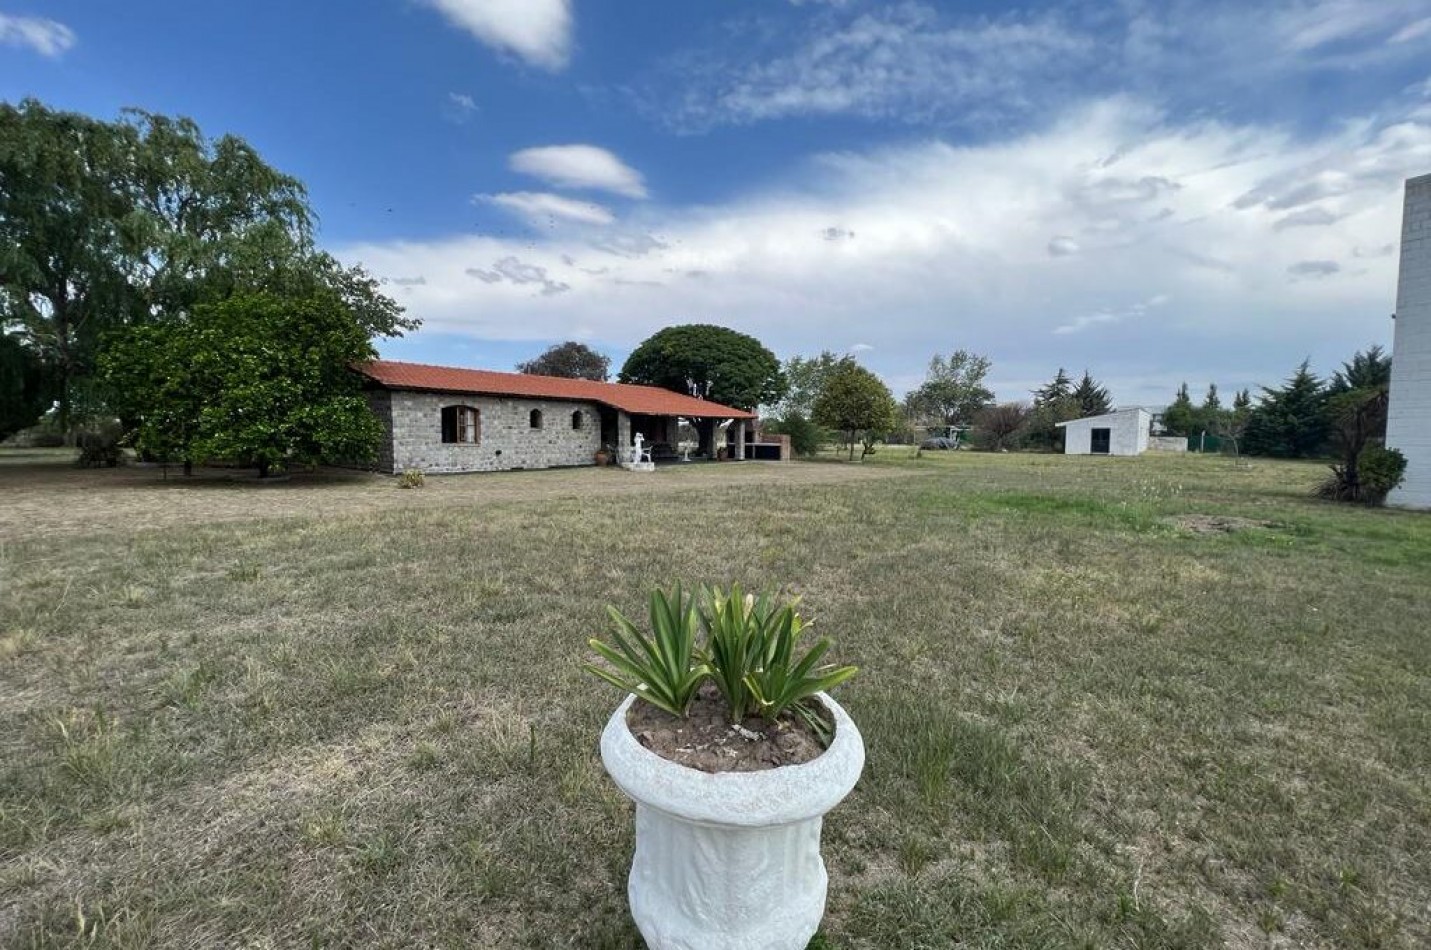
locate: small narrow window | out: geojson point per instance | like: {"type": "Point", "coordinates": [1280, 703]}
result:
{"type": "Point", "coordinates": [536, 419]}
{"type": "Point", "coordinates": [576, 420]}
{"type": "Point", "coordinates": [461, 424]}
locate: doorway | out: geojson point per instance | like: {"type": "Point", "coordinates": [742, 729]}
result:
{"type": "Point", "coordinates": [1100, 441]}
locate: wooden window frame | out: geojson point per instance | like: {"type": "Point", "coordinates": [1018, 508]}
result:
{"type": "Point", "coordinates": [461, 425]}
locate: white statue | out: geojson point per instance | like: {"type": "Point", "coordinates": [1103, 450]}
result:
{"type": "Point", "coordinates": [636, 452]}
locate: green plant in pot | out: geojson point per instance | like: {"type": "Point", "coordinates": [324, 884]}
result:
{"type": "Point", "coordinates": [726, 858]}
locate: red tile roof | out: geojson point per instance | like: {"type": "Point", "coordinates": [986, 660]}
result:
{"type": "Point", "coordinates": [645, 400]}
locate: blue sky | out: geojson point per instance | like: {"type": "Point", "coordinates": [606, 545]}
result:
{"type": "Point", "coordinates": [1203, 190]}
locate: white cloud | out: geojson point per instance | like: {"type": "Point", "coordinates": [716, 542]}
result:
{"type": "Point", "coordinates": [513, 270]}
{"type": "Point", "coordinates": [1088, 320]}
{"type": "Point", "coordinates": [459, 107]}
{"type": "Point", "coordinates": [925, 63]}
{"type": "Point", "coordinates": [901, 61]}
{"type": "Point", "coordinates": [46, 37]}
{"type": "Point", "coordinates": [1174, 280]}
{"type": "Point", "coordinates": [538, 31]}
{"type": "Point", "coordinates": [545, 208]}
{"type": "Point", "coordinates": [579, 166]}
{"type": "Point", "coordinates": [1062, 246]}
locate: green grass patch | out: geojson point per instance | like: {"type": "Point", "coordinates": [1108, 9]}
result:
{"type": "Point", "coordinates": [337, 715]}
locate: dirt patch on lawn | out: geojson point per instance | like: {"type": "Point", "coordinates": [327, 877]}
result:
{"type": "Point", "coordinates": [1216, 524]}
{"type": "Point", "coordinates": [707, 740]}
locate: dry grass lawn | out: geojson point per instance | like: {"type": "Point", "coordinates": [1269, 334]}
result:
{"type": "Point", "coordinates": [333, 713]}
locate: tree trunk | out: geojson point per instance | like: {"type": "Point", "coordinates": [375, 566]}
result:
{"type": "Point", "coordinates": [64, 359]}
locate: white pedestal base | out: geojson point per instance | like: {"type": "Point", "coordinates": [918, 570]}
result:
{"type": "Point", "coordinates": [731, 860]}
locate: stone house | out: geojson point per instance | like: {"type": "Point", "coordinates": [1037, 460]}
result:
{"type": "Point", "coordinates": [448, 419]}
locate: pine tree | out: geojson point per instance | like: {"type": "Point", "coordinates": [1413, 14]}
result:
{"type": "Point", "coordinates": [1092, 399]}
{"type": "Point", "coordinates": [1211, 402]}
{"type": "Point", "coordinates": [1242, 402]}
{"type": "Point", "coordinates": [1290, 421]}
{"type": "Point", "coordinates": [1053, 404]}
{"type": "Point", "coordinates": [1180, 418]}
{"type": "Point", "coordinates": [1365, 370]}
{"type": "Point", "coordinates": [1057, 391]}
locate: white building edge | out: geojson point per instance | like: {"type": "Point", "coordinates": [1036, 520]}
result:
{"type": "Point", "coordinates": [1408, 421]}
{"type": "Point", "coordinates": [1122, 432]}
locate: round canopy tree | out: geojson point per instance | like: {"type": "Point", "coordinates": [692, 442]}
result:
{"type": "Point", "coordinates": [571, 360]}
{"type": "Point", "coordinates": [857, 403]}
{"type": "Point", "coordinates": [258, 377]}
{"type": "Point", "coordinates": [708, 362]}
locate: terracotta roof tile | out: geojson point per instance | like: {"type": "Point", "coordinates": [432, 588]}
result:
{"type": "Point", "coordinates": [645, 400]}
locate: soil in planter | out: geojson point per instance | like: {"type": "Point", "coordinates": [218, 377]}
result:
{"type": "Point", "coordinates": [707, 740]}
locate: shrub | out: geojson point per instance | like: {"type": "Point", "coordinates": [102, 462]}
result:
{"type": "Point", "coordinates": [749, 653]}
{"type": "Point", "coordinates": [99, 449]}
{"type": "Point", "coordinates": [38, 437]}
{"type": "Point", "coordinates": [661, 669]}
{"type": "Point", "coordinates": [750, 650]}
{"type": "Point", "coordinates": [411, 478]}
{"type": "Point", "coordinates": [1377, 471]}
{"type": "Point", "coordinates": [805, 437]}
{"type": "Point", "coordinates": [1380, 471]}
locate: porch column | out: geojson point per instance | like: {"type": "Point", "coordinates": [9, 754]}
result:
{"type": "Point", "coordinates": [740, 440]}
{"type": "Point", "coordinates": [706, 428]}
{"type": "Point", "coordinates": [623, 437]}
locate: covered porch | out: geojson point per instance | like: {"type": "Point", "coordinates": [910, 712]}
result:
{"type": "Point", "coordinates": [663, 439]}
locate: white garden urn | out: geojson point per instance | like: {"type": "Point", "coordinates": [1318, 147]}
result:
{"type": "Point", "coordinates": [729, 860]}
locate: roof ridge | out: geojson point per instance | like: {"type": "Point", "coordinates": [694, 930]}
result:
{"type": "Point", "coordinates": [630, 397]}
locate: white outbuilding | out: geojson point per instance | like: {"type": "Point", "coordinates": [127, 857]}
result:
{"type": "Point", "coordinates": [1124, 432]}
{"type": "Point", "coordinates": [1408, 417]}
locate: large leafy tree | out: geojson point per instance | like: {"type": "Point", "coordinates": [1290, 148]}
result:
{"type": "Point", "coordinates": [105, 225]}
{"type": "Point", "coordinates": [805, 379]}
{"type": "Point", "coordinates": [570, 360]}
{"type": "Point", "coordinates": [708, 362]}
{"type": "Point", "coordinates": [857, 403]}
{"type": "Point", "coordinates": [257, 377]}
{"type": "Point", "coordinates": [953, 390]}
{"type": "Point", "coordinates": [26, 389]}
{"type": "Point", "coordinates": [66, 197]}
{"type": "Point", "coordinates": [1290, 421]}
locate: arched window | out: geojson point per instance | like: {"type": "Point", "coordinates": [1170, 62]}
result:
{"type": "Point", "coordinates": [536, 419]}
{"type": "Point", "coordinates": [461, 424]}
{"type": "Point", "coordinates": [578, 419]}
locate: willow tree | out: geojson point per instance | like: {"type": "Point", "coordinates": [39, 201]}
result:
{"type": "Point", "coordinates": [110, 225]}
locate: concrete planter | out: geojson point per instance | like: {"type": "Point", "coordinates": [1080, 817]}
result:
{"type": "Point", "coordinates": [730, 860]}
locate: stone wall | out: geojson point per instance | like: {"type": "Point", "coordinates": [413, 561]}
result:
{"type": "Point", "coordinates": [1167, 443]}
{"type": "Point", "coordinates": [380, 401]}
{"type": "Point", "coordinates": [1408, 422]}
{"type": "Point", "coordinates": [506, 438]}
